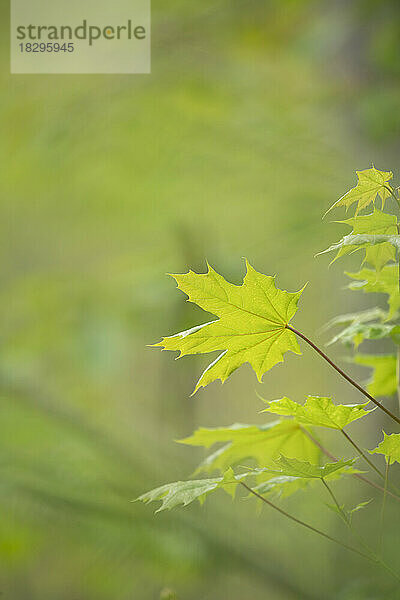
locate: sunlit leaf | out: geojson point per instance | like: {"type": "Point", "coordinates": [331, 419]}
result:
{"type": "Point", "coordinates": [282, 486]}
{"type": "Point", "coordinates": [389, 447]}
{"type": "Point", "coordinates": [385, 281]}
{"type": "Point", "coordinates": [319, 411]}
{"type": "Point", "coordinates": [251, 326]}
{"type": "Point", "coordinates": [355, 334]}
{"type": "Point", "coordinates": [297, 468]}
{"type": "Point", "coordinates": [380, 249]}
{"type": "Point", "coordinates": [376, 233]}
{"type": "Point", "coordinates": [185, 492]}
{"type": "Point", "coordinates": [263, 443]}
{"type": "Point", "coordinates": [362, 326]}
{"type": "Point", "coordinates": [384, 378]}
{"type": "Point", "coordinates": [371, 182]}
{"type": "Point", "coordinates": [363, 316]}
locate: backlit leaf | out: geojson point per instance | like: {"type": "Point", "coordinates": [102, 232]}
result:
{"type": "Point", "coordinates": [185, 492]}
{"type": "Point", "coordinates": [384, 379]}
{"type": "Point", "coordinates": [385, 281]}
{"type": "Point", "coordinates": [356, 333]}
{"type": "Point", "coordinates": [282, 486]}
{"type": "Point", "coordinates": [389, 447]}
{"type": "Point", "coordinates": [362, 326]}
{"type": "Point", "coordinates": [376, 233]}
{"type": "Point", "coordinates": [263, 443]}
{"type": "Point", "coordinates": [319, 411]}
{"type": "Point", "coordinates": [371, 182]}
{"type": "Point", "coordinates": [297, 468]}
{"type": "Point", "coordinates": [364, 316]}
{"type": "Point", "coordinates": [251, 326]}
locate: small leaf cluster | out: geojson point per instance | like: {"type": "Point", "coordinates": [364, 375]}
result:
{"type": "Point", "coordinates": [377, 235]}
{"type": "Point", "coordinates": [253, 325]}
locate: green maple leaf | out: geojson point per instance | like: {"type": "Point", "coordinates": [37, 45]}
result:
{"type": "Point", "coordinates": [298, 468]}
{"type": "Point", "coordinates": [376, 233]}
{"type": "Point", "coordinates": [362, 316]}
{"type": "Point", "coordinates": [384, 378]}
{"type": "Point", "coordinates": [371, 182]}
{"type": "Point", "coordinates": [185, 492]}
{"type": "Point", "coordinates": [263, 443]}
{"type": "Point", "coordinates": [252, 323]}
{"type": "Point", "coordinates": [319, 411]}
{"type": "Point", "coordinates": [356, 333]}
{"type": "Point", "coordinates": [389, 447]}
{"type": "Point", "coordinates": [282, 486]}
{"type": "Point", "coordinates": [385, 281]}
{"type": "Point", "coordinates": [293, 475]}
{"type": "Point", "coordinates": [286, 485]}
{"type": "Point", "coordinates": [359, 327]}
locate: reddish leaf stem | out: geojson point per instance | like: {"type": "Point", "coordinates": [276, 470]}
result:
{"type": "Point", "coordinates": [356, 475]}
{"type": "Point", "coordinates": [344, 375]}
{"type": "Point", "coordinates": [299, 522]}
{"type": "Point", "coordinates": [362, 454]}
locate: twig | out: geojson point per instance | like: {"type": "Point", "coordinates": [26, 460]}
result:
{"type": "Point", "coordinates": [343, 374]}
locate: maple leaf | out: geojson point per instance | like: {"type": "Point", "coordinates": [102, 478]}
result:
{"type": "Point", "coordinates": [389, 447]}
{"type": "Point", "coordinates": [385, 281]}
{"type": "Point", "coordinates": [294, 475]}
{"type": "Point", "coordinates": [185, 492]}
{"type": "Point", "coordinates": [375, 233]}
{"type": "Point", "coordinates": [282, 486]}
{"type": "Point", "coordinates": [264, 443]}
{"type": "Point", "coordinates": [356, 333]}
{"type": "Point", "coordinates": [319, 411]}
{"type": "Point", "coordinates": [371, 182]}
{"type": "Point", "coordinates": [252, 323]}
{"type": "Point", "coordinates": [362, 326]}
{"type": "Point", "coordinates": [292, 467]}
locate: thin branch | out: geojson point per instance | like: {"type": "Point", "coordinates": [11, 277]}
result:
{"type": "Point", "coordinates": [332, 495]}
{"type": "Point", "coordinates": [362, 454]}
{"type": "Point", "coordinates": [310, 527]}
{"type": "Point", "coordinates": [343, 515]}
{"type": "Point", "coordinates": [343, 374]}
{"type": "Point", "coordinates": [356, 475]}
{"type": "Point", "coordinates": [319, 445]}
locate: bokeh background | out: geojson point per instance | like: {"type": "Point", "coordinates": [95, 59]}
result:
{"type": "Point", "coordinates": [251, 125]}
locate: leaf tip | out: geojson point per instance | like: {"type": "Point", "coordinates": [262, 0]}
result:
{"type": "Point", "coordinates": [196, 389]}
{"type": "Point", "coordinates": [159, 344]}
{"type": "Point", "coordinates": [249, 267]}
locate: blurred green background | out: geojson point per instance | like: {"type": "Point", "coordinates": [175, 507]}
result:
{"type": "Point", "coordinates": [252, 123]}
